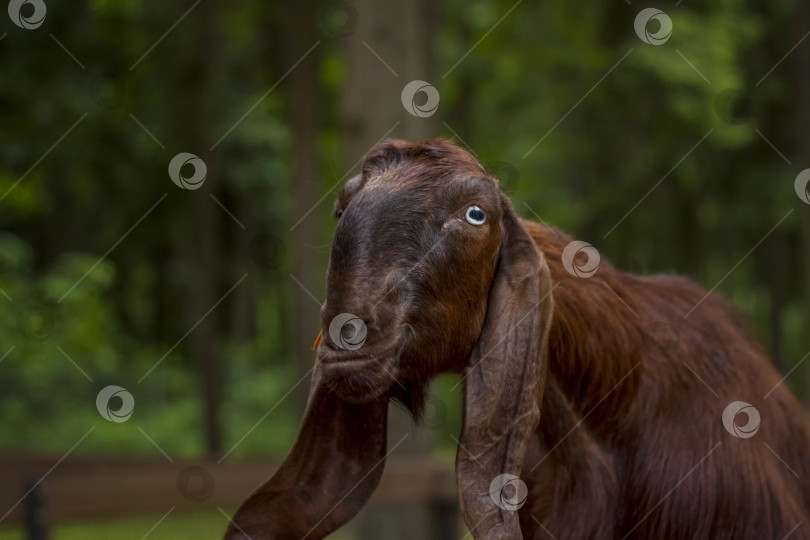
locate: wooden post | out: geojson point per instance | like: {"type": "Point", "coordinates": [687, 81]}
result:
{"type": "Point", "coordinates": [36, 510]}
{"type": "Point", "coordinates": [444, 517]}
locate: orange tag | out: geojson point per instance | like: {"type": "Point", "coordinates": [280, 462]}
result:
{"type": "Point", "coordinates": [317, 340]}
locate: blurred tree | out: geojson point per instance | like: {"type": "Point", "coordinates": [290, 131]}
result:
{"type": "Point", "coordinates": [802, 123]}
{"type": "Point", "coordinates": [306, 126]}
{"type": "Point", "coordinates": [207, 287]}
{"type": "Point", "coordinates": [392, 46]}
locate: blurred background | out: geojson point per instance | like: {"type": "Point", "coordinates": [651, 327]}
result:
{"type": "Point", "coordinates": [195, 292]}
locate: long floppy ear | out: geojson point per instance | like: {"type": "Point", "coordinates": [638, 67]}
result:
{"type": "Point", "coordinates": [331, 471]}
{"type": "Point", "coordinates": [503, 386]}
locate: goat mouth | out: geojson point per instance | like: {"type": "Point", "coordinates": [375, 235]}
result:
{"type": "Point", "coordinates": [360, 378]}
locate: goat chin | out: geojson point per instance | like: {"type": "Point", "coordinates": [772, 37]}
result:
{"type": "Point", "coordinates": [362, 378]}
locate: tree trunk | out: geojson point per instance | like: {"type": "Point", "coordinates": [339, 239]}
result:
{"type": "Point", "coordinates": [776, 277]}
{"type": "Point", "coordinates": [204, 340]}
{"type": "Point", "coordinates": [242, 324]}
{"type": "Point", "coordinates": [803, 120]}
{"type": "Point", "coordinates": [305, 119]}
{"type": "Point", "coordinates": [399, 34]}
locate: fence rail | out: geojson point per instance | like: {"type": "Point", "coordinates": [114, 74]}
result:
{"type": "Point", "coordinates": [103, 487]}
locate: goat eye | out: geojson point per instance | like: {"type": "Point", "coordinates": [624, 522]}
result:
{"type": "Point", "coordinates": [339, 213]}
{"type": "Point", "coordinates": [475, 216]}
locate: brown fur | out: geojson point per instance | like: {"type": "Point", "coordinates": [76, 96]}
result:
{"type": "Point", "coordinates": [631, 390]}
{"type": "Point", "coordinates": [641, 437]}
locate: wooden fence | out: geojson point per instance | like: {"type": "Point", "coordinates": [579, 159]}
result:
{"type": "Point", "coordinates": [95, 487]}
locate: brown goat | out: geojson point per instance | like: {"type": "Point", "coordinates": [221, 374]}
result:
{"type": "Point", "coordinates": [639, 379]}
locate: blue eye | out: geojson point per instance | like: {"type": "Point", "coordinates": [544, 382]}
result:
{"type": "Point", "coordinates": [475, 216]}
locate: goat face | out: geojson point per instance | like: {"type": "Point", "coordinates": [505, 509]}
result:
{"type": "Point", "coordinates": [412, 261]}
